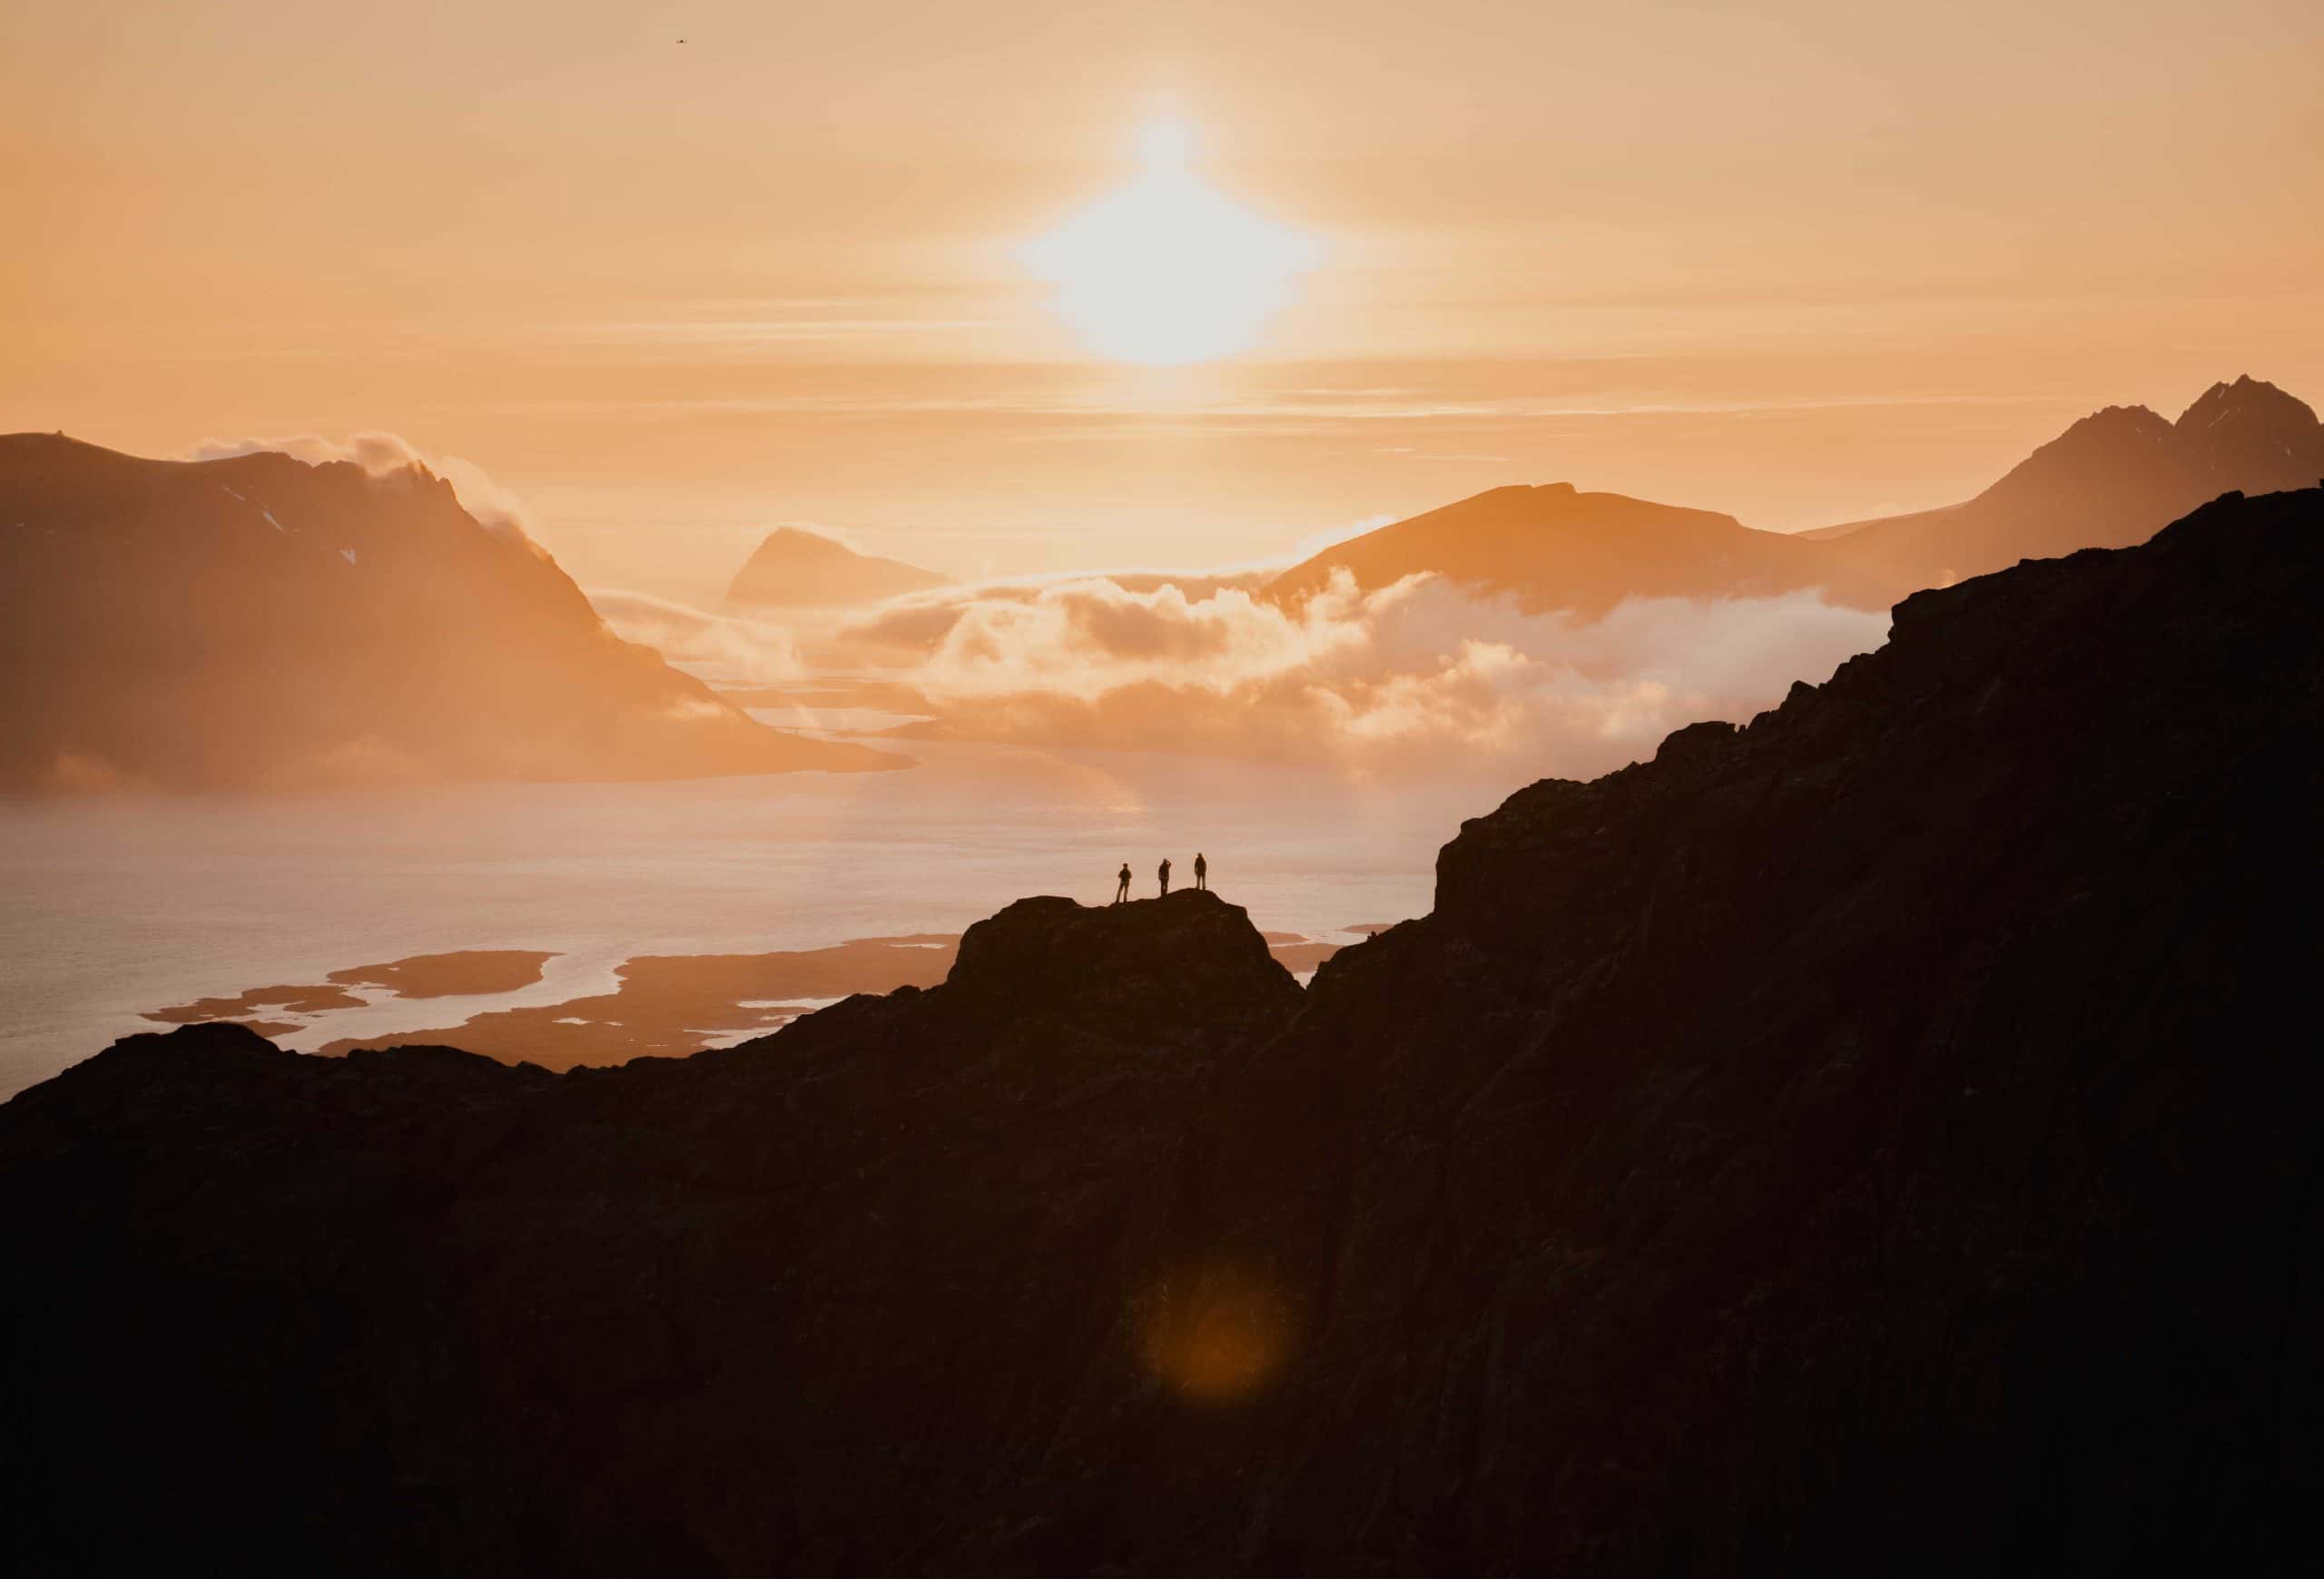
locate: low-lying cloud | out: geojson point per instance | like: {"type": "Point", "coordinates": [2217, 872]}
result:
{"type": "Point", "coordinates": [1089, 635]}
{"type": "Point", "coordinates": [1423, 676]}
{"type": "Point", "coordinates": [735, 649]}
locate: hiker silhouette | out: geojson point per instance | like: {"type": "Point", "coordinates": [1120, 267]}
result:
{"type": "Point", "coordinates": [1164, 875]}
{"type": "Point", "coordinates": [1202, 872]}
{"type": "Point", "coordinates": [1122, 892]}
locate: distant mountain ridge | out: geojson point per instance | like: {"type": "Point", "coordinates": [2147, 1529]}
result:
{"type": "Point", "coordinates": [792, 567]}
{"type": "Point", "coordinates": [259, 620]}
{"type": "Point", "coordinates": [2109, 480]}
{"type": "Point", "coordinates": [1555, 548]}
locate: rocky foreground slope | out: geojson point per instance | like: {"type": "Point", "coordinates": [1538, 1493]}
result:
{"type": "Point", "coordinates": [260, 621]}
{"type": "Point", "coordinates": [1883, 1138]}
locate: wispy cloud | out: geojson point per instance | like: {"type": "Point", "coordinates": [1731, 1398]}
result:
{"type": "Point", "coordinates": [760, 332]}
{"type": "Point", "coordinates": [736, 648]}
{"type": "Point", "coordinates": [381, 453]}
{"type": "Point", "coordinates": [1353, 410]}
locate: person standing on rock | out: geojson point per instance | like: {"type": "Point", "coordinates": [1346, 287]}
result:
{"type": "Point", "coordinates": [1122, 892]}
{"type": "Point", "coordinates": [1202, 874]}
{"type": "Point", "coordinates": [1165, 875]}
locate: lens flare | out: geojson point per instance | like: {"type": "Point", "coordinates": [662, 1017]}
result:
{"type": "Point", "coordinates": [1215, 1334]}
{"type": "Point", "coordinates": [1167, 271]}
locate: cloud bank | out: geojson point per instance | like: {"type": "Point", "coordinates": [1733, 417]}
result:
{"type": "Point", "coordinates": [734, 649]}
{"type": "Point", "coordinates": [1418, 677]}
{"type": "Point", "coordinates": [1423, 678]}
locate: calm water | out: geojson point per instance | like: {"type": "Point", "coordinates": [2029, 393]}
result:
{"type": "Point", "coordinates": [117, 906]}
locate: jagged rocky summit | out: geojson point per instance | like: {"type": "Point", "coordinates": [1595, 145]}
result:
{"type": "Point", "coordinates": [1877, 1139]}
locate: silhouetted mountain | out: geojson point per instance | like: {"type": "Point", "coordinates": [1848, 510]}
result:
{"type": "Point", "coordinates": [1553, 547]}
{"type": "Point", "coordinates": [2109, 481]}
{"type": "Point", "coordinates": [259, 620]}
{"type": "Point", "coordinates": [1877, 1139]}
{"type": "Point", "coordinates": [793, 569]}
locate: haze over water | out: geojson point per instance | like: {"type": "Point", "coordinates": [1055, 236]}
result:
{"type": "Point", "coordinates": [123, 905]}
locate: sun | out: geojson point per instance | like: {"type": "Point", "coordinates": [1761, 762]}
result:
{"type": "Point", "coordinates": [1167, 271]}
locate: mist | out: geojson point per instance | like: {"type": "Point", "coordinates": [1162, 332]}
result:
{"type": "Point", "coordinates": [1422, 678]}
{"type": "Point", "coordinates": [383, 455]}
{"type": "Point", "coordinates": [734, 647]}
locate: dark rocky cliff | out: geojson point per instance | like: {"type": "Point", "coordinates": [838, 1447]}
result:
{"type": "Point", "coordinates": [1881, 1138]}
{"type": "Point", "coordinates": [1878, 1138]}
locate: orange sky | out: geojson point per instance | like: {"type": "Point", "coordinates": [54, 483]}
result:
{"type": "Point", "coordinates": [1800, 260]}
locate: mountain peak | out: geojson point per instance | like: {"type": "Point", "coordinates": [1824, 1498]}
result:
{"type": "Point", "coordinates": [1554, 546]}
{"type": "Point", "coordinates": [800, 567]}
{"type": "Point", "coordinates": [505, 672]}
{"type": "Point", "coordinates": [2247, 400]}
{"type": "Point", "coordinates": [2110, 422]}
{"type": "Point", "coordinates": [805, 541]}
{"type": "Point", "coordinates": [2252, 436]}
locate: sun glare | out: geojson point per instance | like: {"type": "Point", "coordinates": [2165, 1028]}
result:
{"type": "Point", "coordinates": [1167, 271]}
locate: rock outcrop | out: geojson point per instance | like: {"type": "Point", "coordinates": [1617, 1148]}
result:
{"type": "Point", "coordinates": [1875, 1139]}
{"type": "Point", "coordinates": [259, 620]}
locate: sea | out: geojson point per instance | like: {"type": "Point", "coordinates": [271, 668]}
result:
{"type": "Point", "coordinates": [119, 905]}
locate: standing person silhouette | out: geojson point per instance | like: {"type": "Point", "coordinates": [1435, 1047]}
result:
{"type": "Point", "coordinates": [1165, 875]}
{"type": "Point", "coordinates": [1202, 873]}
{"type": "Point", "coordinates": [1122, 892]}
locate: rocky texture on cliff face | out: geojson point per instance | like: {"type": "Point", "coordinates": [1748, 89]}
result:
{"type": "Point", "coordinates": [259, 620]}
{"type": "Point", "coordinates": [1876, 1138]}
{"type": "Point", "coordinates": [1879, 1138]}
